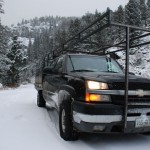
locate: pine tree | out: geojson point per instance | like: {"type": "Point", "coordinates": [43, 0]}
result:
{"type": "Point", "coordinates": [133, 13]}
{"type": "Point", "coordinates": [36, 48]}
{"type": "Point", "coordinates": [1, 10]}
{"type": "Point", "coordinates": [148, 3]}
{"type": "Point", "coordinates": [143, 9]}
{"type": "Point", "coordinates": [99, 38]}
{"type": "Point", "coordinates": [61, 37]}
{"type": "Point", "coordinates": [16, 64]}
{"type": "Point", "coordinates": [87, 18]}
{"type": "Point", "coordinates": [119, 17]}
{"type": "Point", "coordinates": [74, 27]}
{"type": "Point", "coordinates": [148, 12]}
{"type": "Point", "coordinates": [133, 17]}
{"type": "Point", "coordinates": [29, 51]}
{"type": "Point", "coordinates": [4, 39]}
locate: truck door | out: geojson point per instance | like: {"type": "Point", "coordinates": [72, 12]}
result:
{"type": "Point", "coordinates": [55, 80]}
{"type": "Point", "coordinates": [48, 88]}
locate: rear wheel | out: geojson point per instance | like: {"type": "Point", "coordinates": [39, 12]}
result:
{"type": "Point", "coordinates": [65, 122]}
{"type": "Point", "coordinates": [40, 100]}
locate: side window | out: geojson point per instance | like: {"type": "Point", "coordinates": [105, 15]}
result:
{"type": "Point", "coordinates": [59, 65]}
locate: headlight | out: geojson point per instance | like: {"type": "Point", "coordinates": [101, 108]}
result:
{"type": "Point", "coordinates": [92, 85]}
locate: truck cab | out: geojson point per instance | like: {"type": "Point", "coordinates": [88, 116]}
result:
{"type": "Point", "coordinates": [88, 91]}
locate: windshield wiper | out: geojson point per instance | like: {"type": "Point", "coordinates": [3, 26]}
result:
{"type": "Point", "coordinates": [110, 71]}
{"type": "Point", "coordinates": [82, 70]}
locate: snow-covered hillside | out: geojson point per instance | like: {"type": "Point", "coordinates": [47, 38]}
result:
{"type": "Point", "coordinates": [139, 62]}
{"type": "Point", "coordinates": [24, 126]}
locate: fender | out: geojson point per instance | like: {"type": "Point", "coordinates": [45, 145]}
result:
{"type": "Point", "coordinates": [66, 93]}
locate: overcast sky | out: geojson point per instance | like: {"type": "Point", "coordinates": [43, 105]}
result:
{"type": "Point", "coordinates": [16, 10]}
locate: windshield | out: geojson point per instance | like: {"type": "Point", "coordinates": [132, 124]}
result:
{"type": "Point", "coordinates": [92, 64]}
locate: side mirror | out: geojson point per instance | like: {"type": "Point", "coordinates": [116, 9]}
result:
{"type": "Point", "coordinates": [48, 70]}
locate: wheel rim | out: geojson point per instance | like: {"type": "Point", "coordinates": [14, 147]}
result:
{"type": "Point", "coordinates": [63, 121]}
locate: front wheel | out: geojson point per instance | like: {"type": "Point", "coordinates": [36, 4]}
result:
{"type": "Point", "coordinates": [65, 122]}
{"type": "Point", "coordinates": [40, 100]}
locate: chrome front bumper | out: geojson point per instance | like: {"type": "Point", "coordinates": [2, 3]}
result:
{"type": "Point", "coordinates": [78, 117]}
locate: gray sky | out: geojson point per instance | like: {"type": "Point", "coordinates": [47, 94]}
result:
{"type": "Point", "coordinates": [16, 10]}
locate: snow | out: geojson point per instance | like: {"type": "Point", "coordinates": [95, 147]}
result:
{"type": "Point", "coordinates": [24, 126]}
{"type": "Point", "coordinates": [25, 41]}
{"type": "Point", "coordinates": [139, 62]}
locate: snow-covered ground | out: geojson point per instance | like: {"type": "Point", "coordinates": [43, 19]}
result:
{"type": "Point", "coordinates": [24, 126]}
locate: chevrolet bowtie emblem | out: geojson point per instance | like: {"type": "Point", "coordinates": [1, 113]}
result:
{"type": "Point", "coordinates": [140, 93]}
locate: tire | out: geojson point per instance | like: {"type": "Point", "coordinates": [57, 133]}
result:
{"type": "Point", "coordinates": [65, 122]}
{"type": "Point", "coordinates": [40, 100]}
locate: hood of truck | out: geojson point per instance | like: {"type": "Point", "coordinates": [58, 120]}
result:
{"type": "Point", "coordinates": [110, 77]}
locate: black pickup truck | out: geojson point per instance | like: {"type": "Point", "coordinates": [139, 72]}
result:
{"type": "Point", "coordinates": [89, 93]}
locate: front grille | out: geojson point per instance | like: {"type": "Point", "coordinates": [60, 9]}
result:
{"type": "Point", "coordinates": [132, 100]}
{"type": "Point", "coordinates": [132, 86]}
{"type": "Point", "coordinates": [139, 100]}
